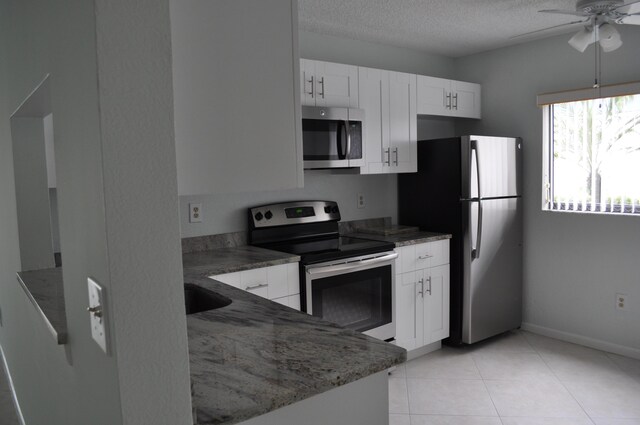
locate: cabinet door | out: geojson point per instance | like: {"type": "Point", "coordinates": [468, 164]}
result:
{"type": "Point", "coordinates": [308, 82]}
{"type": "Point", "coordinates": [403, 130]}
{"type": "Point", "coordinates": [236, 96]}
{"type": "Point", "coordinates": [466, 99]}
{"type": "Point", "coordinates": [373, 98]}
{"type": "Point", "coordinates": [433, 96]}
{"type": "Point", "coordinates": [336, 84]}
{"type": "Point", "coordinates": [436, 305]}
{"type": "Point", "coordinates": [407, 321]}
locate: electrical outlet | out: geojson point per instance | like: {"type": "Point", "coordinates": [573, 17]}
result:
{"type": "Point", "coordinates": [622, 301]}
{"type": "Point", "coordinates": [195, 213]}
{"type": "Point", "coordinates": [361, 203]}
{"type": "Point", "coordinates": [97, 314]}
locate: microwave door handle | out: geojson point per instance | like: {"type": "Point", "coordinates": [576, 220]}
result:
{"type": "Point", "coordinates": [341, 153]}
{"type": "Point", "coordinates": [348, 133]}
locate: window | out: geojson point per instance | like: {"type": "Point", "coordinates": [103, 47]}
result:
{"type": "Point", "coordinates": [592, 155]}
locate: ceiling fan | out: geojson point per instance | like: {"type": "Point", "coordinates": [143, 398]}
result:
{"type": "Point", "coordinates": [599, 18]}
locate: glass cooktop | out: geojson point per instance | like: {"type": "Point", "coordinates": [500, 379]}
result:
{"type": "Point", "coordinates": [317, 250]}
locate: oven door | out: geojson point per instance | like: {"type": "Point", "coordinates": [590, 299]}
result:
{"type": "Point", "coordinates": [355, 293]}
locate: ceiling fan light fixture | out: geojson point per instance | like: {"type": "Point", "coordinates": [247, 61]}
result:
{"type": "Point", "coordinates": [582, 39]}
{"type": "Point", "coordinates": [609, 38]}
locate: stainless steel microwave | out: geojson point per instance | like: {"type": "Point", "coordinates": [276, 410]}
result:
{"type": "Point", "coordinates": [332, 137]}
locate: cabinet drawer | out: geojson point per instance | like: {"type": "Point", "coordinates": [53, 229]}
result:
{"type": "Point", "coordinates": [255, 281]}
{"type": "Point", "coordinates": [422, 256]}
{"type": "Point", "coordinates": [439, 252]}
{"type": "Point", "coordinates": [268, 282]}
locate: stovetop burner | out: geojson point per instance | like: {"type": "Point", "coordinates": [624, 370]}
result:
{"type": "Point", "coordinates": [308, 229]}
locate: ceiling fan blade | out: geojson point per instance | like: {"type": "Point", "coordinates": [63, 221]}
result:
{"type": "Point", "coordinates": [632, 19]}
{"type": "Point", "coordinates": [622, 7]}
{"type": "Point", "coordinates": [564, 12]}
{"type": "Point", "coordinates": [584, 21]}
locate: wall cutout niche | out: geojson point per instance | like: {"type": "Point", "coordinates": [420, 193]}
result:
{"type": "Point", "coordinates": [32, 133]}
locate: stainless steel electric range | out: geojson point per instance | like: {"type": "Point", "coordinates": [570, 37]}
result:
{"type": "Point", "coordinates": [347, 281]}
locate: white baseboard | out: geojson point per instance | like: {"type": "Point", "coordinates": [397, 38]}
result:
{"type": "Point", "coordinates": [583, 340]}
{"type": "Point", "coordinates": [13, 390]}
{"type": "Point", "coordinates": [424, 350]}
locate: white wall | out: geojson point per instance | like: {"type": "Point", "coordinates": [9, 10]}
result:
{"type": "Point", "coordinates": [111, 96]}
{"type": "Point", "coordinates": [228, 212]}
{"type": "Point", "coordinates": [574, 264]}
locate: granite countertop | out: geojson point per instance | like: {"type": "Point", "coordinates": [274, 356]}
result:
{"type": "Point", "coordinates": [44, 288]}
{"type": "Point", "coordinates": [255, 356]}
{"type": "Point", "coordinates": [229, 260]}
{"type": "Point", "coordinates": [404, 239]}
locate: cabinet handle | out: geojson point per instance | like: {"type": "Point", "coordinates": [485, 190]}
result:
{"type": "Point", "coordinates": [455, 101]}
{"type": "Point", "coordinates": [388, 153]}
{"type": "Point", "coordinates": [395, 151]}
{"type": "Point", "coordinates": [424, 257]}
{"type": "Point", "coordinates": [421, 291]}
{"type": "Point", "coordinates": [448, 103]}
{"type": "Point", "coordinates": [312, 86]}
{"type": "Point", "coordinates": [321, 81]}
{"type": "Point", "coordinates": [429, 280]}
{"type": "Point", "coordinates": [261, 285]}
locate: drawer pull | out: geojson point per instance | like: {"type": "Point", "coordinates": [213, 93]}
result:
{"type": "Point", "coordinates": [261, 285]}
{"type": "Point", "coordinates": [424, 257]}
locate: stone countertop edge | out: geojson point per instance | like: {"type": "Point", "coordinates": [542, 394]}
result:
{"type": "Point", "coordinates": [235, 259]}
{"type": "Point", "coordinates": [405, 239]}
{"type": "Point", "coordinates": [255, 356]}
{"type": "Point", "coordinates": [44, 288]}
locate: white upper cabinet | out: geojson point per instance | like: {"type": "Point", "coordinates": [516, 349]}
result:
{"type": "Point", "coordinates": [439, 96]}
{"type": "Point", "coordinates": [236, 95]}
{"type": "Point", "coordinates": [403, 124]}
{"type": "Point", "coordinates": [466, 99]}
{"type": "Point", "coordinates": [328, 84]}
{"type": "Point", "coordinates": [389, 101]}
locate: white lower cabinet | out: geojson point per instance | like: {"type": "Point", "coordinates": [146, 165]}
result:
{"type": "Point", "coordinates": [422, 294]}
{"type": "Point", "coordinates": [278, 283]}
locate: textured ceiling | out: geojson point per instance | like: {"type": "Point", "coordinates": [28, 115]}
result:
{"type": "Point", "coordinates": [448, 27]}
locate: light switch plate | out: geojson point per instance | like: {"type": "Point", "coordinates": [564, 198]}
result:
{"type": "Point", "coordinates": [97, 314]}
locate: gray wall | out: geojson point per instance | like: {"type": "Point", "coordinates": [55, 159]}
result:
{"type": "Point", "coordinates": [108, 118]}
{"type": "Point", "coordinates": [32, 193]}
{"type": "Point", "coordinates": [227, 212]}
{"type": "Point", "coordinates": [574, 263]}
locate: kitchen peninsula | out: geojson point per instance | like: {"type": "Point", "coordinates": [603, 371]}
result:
{"type": "Point", "coordinates": [256, 357]}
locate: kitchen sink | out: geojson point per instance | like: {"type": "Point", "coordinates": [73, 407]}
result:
{"type": "Point", "coordinates": [198, 299]}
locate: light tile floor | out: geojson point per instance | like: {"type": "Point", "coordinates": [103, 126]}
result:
{"type": "Point", "coordinates": [518, 378]}
{"type": "Point", "coordinates": [7, 410]}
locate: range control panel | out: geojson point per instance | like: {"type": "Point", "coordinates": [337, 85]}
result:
{"type": "Point", "coordinates": [293, 213]}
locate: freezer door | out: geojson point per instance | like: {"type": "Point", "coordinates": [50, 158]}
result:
{"type": "Point", "coordinates": [492, 268]}
{"type": "Point", "coordinates": [491, 166]}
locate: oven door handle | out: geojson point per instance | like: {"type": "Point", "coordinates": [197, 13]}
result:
{"type": "Point", "coordinates": [352, 265]}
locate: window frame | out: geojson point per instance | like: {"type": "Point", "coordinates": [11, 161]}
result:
{"type": "Point", "coordinates": [545, 102]}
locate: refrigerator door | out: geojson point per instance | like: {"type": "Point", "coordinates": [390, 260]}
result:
{"type": "Point", "coordinates": [492, 270]}
{"type": "Point", "coordinates": [491, 167]}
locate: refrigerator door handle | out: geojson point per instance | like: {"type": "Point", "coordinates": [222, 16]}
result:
{"type": "Point", "coordinates": [474, 147]}
{"type": "Point", "coordinates": [475, 252]}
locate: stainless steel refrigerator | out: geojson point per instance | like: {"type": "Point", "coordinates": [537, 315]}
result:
{"type": "Point", "coordinates": [471, 187]}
